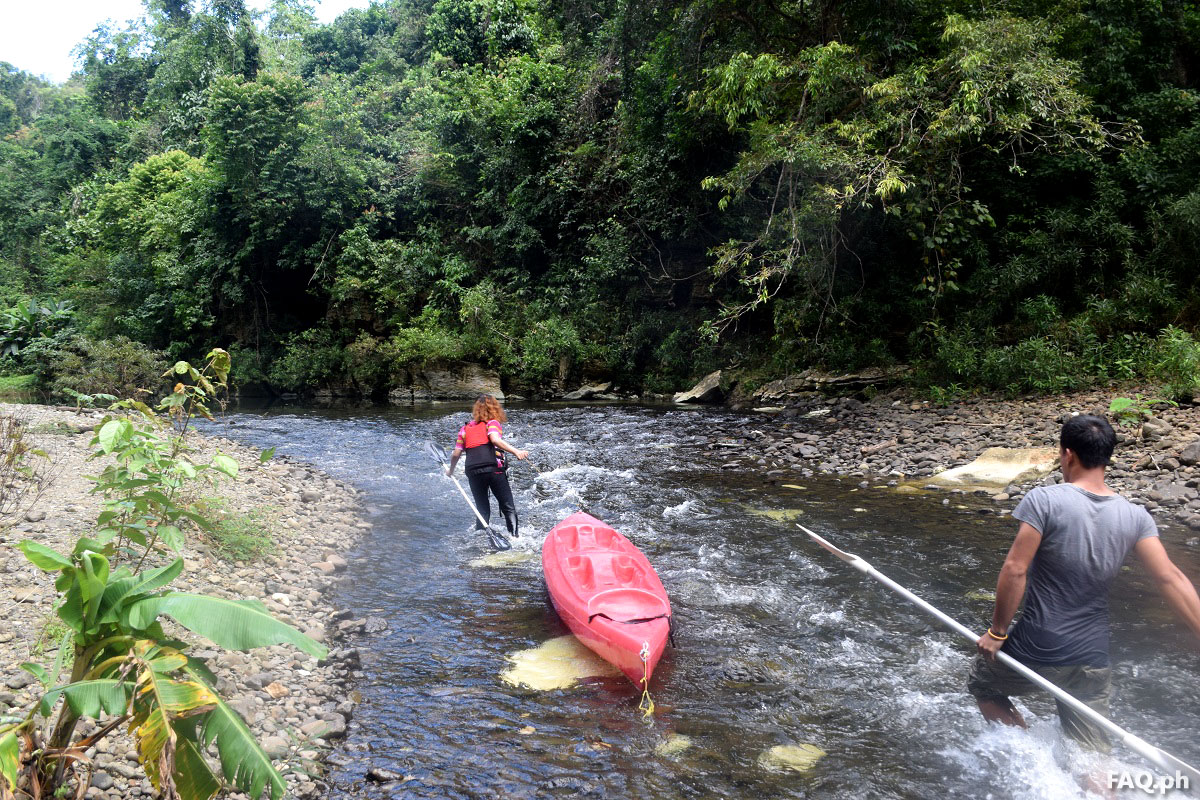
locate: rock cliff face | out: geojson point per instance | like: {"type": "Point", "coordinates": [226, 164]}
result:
{"type": "Point", "coordinates": [445, 382]}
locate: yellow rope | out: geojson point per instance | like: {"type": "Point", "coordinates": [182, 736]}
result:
{"type": "Point", "coordinates": [646, 705]}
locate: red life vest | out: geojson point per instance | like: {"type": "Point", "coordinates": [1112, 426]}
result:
{"type": "Point", "coordinates": [482, 455]}
{"type": "Point", "coordinates": [475, 434]}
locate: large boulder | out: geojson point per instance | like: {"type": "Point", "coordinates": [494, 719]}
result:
{"type": "Point", "coordinates": [998, 467]}
{"type": "Point", "coordinates": [446, 382]}
{"type": "Point", "coordinates": [588, 392]}
{"type": "Point", "coordinates": [708, 390]}
{"type": "Point", "coordinates": [1190, 455]}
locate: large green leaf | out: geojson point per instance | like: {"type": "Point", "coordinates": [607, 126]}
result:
{"type": "Point", "coordinates": [233, 624]}
{"type": "Point", "coordinates": [10, 758]}
{"type": "Point", "coordinates": [43, 557]}
{"type": "Point", "coordinates": [133, 585]}
{"type": "Point", "coordinates": [243, 761]}
{"type": "Point", "coordinates": [223, 463]}
{"type": "Point", "coordinates": [37, 671]}
{"type": "Point", "coordinates": [70, 608]}
{"type": "Point", "coordinates": [114, 434]}
{"type": "Point", "coordinates": [89, 698]}
{"type": "Point", "coordinates": [194, 780]}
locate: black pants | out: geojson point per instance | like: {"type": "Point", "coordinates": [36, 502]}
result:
{"type": "Point", "coordinates": [498, 483]}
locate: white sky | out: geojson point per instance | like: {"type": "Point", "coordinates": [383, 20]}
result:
{"type": "Point", "coordinates": [39, 35]}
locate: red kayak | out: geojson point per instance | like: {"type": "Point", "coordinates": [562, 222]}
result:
{"type": "Point", "coordinates": [608, 594]}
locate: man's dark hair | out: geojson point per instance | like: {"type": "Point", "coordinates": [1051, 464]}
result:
{"type": "Point", "coordinates": [1090, 438]}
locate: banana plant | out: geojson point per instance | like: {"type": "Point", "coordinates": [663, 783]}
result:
{"type": "Point", "coordinates": [116, 664]}
{"type": "Point", "coordinates": [27, 320]}
{"type": "Point", "coordinates": [122, 663]}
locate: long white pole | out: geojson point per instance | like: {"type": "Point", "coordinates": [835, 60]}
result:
{"type": "Point", "coordinates": [1161, 758]}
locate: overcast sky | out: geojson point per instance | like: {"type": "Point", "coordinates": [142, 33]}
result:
{"type": "Point", "coordinates": [39, 35]}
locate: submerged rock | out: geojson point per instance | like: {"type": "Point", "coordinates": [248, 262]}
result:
{"type": "Point", "coordinates": [673, 745]}
{"type": "Point", "coordinates": [794, 757]}
{"type": "Point", "coordinates": [555, 664]}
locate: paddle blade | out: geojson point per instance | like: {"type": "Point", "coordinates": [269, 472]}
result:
{"type": "Point", "coordinates": [435, 452]}
{"type": "Point", "coordinates": [498, 540]}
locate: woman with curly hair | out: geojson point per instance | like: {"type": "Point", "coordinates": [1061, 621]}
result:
{"type": "Point", "coordinates": [482, 440]}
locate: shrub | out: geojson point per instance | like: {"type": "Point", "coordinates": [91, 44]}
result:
{"type": "Point", "coordinates": [419, 346]}
{"type": "Point", "coordinates": [310, 358]}
{"type": "Point", "coordinates": [117, 366]}
{"type": "Point", "coordinates": [1177, 364]}
{"type": "Point", "coordinates": [545, 344]}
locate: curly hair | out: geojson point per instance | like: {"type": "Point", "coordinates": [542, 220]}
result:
{"type": "Point", "coordinates": [487, 408]}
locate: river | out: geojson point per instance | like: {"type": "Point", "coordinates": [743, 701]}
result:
{"type": "Point", "coordinates": [778, 643]}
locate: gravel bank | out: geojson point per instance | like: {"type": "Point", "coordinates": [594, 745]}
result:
{"type": "Point", "coordinates": [293, 703]}
{"type": "Point", "coordinates": [896, 441]}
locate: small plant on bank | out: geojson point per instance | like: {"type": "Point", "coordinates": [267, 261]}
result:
{"type": "Point", "coordinates": [1132, 412]}
{"type": "Point", "coordinates": [236, 536]}
{"type": "Point", "coordinates": [24, 470]}
{"type": "Point", "coordinates": [116, 664]}
{"type": "Point", "coordinates": [1177, 364]}
{"type": "Point", "coordinates": [83, 401]}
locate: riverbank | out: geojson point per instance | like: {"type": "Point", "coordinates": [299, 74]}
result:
{"type": "Point", "coordinates": [294, 704]}
{"type": "Point", "coordinates": [895, 440]}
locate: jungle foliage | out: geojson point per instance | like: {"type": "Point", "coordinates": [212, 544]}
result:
{"type": "Point", "coordinates": [1002, 195]}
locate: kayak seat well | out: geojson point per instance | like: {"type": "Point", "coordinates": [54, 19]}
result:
{"type": "Point", "coordinates": [583, 571]}
{"type": "Point", "coordinates": [585, 537]}
{"type": "Point", "coordinates": [626, 604]}
{"type": "Point", "coordinates": [626, 571]}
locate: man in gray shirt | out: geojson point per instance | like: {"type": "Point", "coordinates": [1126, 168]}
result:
{"type": "Point", "coordinates": [1071, 543]}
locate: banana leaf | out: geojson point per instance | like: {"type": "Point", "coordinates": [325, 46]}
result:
{"type": "Point", "coordinates": [117, 591]}
{"type": "Point", "coordinates": [232, 624]}
{"type": "Point", "coordinates": [10, 758]}
{"type": "Point", "coordinates": [89, 698]}
{"type": "Point", "coordinates": [243, 761]}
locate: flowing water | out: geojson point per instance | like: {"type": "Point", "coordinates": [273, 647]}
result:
{"type": "Point", "coordinates": [778, 643]}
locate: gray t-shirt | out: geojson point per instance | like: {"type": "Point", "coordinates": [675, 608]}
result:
{"type": "Point", "coordinates": [1085, 538]}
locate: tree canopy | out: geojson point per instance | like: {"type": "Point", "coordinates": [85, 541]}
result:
{"type": "Point", "coordinates": [1003, 195]}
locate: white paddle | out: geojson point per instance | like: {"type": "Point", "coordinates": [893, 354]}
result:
{"type": "Point", "coordinates": [439, 455]}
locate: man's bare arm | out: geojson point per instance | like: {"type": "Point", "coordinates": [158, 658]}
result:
{"type": "Point", "coordinates": [1174, 586]}
{"type": "Point", "coordinates": [1010, 587]}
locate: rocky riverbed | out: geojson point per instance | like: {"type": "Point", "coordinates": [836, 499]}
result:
{"type": "Point", "coordinates": [292, 702]}
{"type": "Point", "coordinates": [894, 440]}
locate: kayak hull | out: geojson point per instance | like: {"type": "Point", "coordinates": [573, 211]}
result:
{"type": "Point", "coordinates": [608, 594]}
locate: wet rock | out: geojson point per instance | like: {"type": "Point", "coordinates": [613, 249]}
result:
{"type": "Point", "coordinates": [708, 390]}
{"type": "Point", "coordinates": [446, 381]}
{"type": "Point", "coordinates": [383, 775]}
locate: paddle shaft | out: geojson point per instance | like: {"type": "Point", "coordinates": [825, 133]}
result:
{"type": "Point", "coordinates": [470, 502]}
{"type": "Point", "coordinates": [1148, 751]}
{"type": "Point", "coordinates": [439, 456]}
